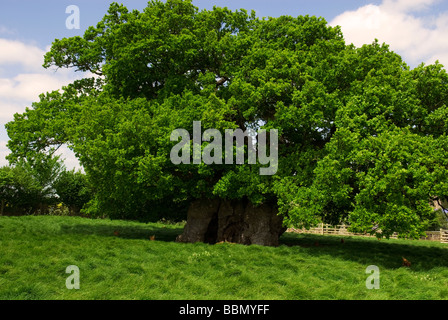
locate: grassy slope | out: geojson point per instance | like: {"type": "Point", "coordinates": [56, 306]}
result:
{"type": "Point", "coordinates": [35, 251]}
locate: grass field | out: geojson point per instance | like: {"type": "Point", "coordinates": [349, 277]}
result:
{"type": "Point", "coordinates": [36, 250]}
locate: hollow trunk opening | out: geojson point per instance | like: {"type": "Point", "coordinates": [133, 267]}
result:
{"type": "Point", "coordinates": [236, 221]}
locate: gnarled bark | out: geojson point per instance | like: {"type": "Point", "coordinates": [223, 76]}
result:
{"type": "Point", "coordinates": [237, 221]}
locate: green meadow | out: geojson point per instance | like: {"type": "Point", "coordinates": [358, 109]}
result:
{"type": "Point", "coordinates": [118, 260]}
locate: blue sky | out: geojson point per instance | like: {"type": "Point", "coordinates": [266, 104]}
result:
{"type": "Point", "coordinates": [42, 21]}
{"type": "Point", "coordinates": [416, 29]}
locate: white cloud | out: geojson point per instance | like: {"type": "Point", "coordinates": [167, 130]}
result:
{"type": "Point", "coordinates": [417, 38]}
{"type": "Point", "coordinates": [9, 108]}
{"type": "Point", "coordinates": [28, 86]}
{"type": "Point", "coordinates": [15, 52]}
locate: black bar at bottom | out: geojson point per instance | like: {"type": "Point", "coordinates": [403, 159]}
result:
{"type": "Point", "coordinates": [220, 309]}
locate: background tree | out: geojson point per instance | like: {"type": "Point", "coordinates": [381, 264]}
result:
{"type": "Point", "coordinates": [361, 136]}
{"type": "Point", "coordinates": [72, 189]}
{"type": "Point", "coordinates": [28, 187]}
{"type": "Point", "coordinates": [7, 188]}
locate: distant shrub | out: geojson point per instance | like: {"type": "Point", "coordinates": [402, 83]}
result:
{"type": "Point", "coordinates": [73, 190]}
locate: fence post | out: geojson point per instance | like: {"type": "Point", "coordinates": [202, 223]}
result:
{"type": "Point", "coordinates": [443, 237]}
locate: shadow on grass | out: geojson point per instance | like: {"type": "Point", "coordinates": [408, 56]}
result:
{"type": "Point", "coordinates": [423, 255]}
{"type": "Point", "coordinates": [162, 233]}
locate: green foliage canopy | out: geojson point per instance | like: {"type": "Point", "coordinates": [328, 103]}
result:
{"type": "Point", "coordinates": [362, 137]}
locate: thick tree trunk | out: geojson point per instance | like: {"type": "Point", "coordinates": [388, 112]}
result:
{"type": "Point", "coordinates": [237, 221]}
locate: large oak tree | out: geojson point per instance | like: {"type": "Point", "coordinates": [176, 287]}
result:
{"type": "Point", "coordinates": [362, 137]}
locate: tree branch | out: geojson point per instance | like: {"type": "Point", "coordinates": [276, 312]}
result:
{"type": "Point", "coordinates": [443, 208]}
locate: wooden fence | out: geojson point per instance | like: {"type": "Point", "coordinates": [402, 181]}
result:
{"type": "Point", "coordinates": [443, 236]}
{"type": "Point", "coordinates": [342, 230]}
